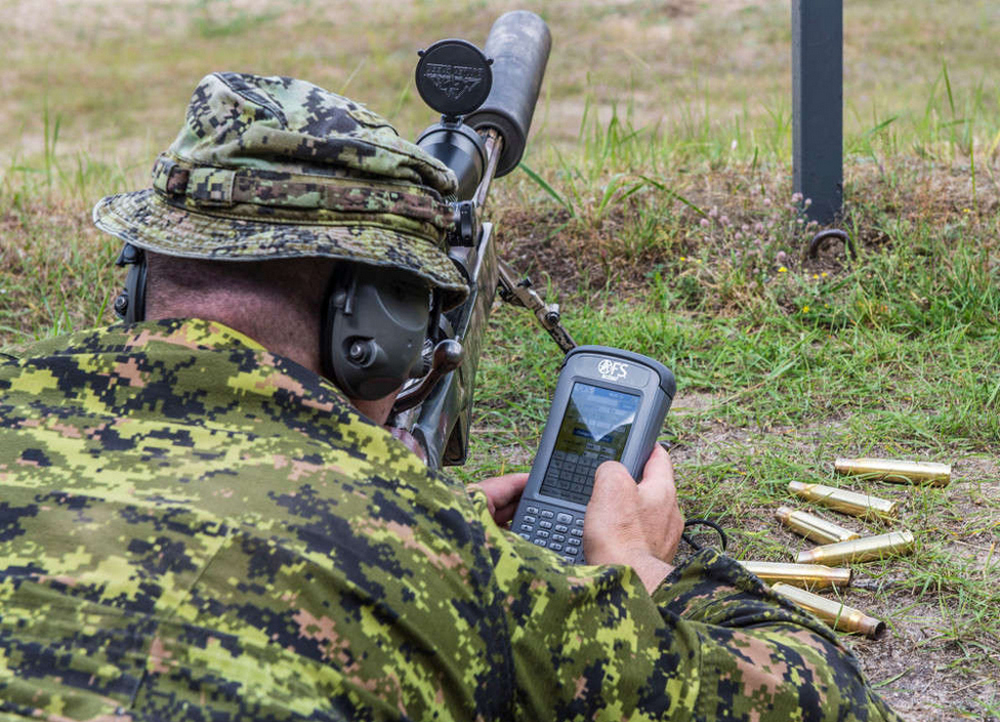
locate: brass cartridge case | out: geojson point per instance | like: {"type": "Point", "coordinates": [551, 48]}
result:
{"type": "Point", "coordinates": [900, 472]}
{"type": "Point", "coordinates": [813, 527]}
{"type": "Point", "coordinates": [837, 615]}
{"type": "Point", "coordinates": [810, 576]}
{"type": "Point", "coordinates": [859, 550]}
{"type": "Point", "coordinates": [849, 502]}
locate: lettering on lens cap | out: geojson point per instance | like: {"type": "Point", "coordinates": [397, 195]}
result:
{"type": "Point", "coordinates": [454, 81]}
{"type": "Point", "coordinates": [454, 77]}
{"type": "Point", "coordinates": [612, 370]}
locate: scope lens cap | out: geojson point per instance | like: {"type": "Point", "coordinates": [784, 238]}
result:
{"type": "Point", "coordinates": [454, 77]}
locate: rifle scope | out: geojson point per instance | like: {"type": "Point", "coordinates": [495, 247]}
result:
{"type": "Point", "coordinates": [497, 90]}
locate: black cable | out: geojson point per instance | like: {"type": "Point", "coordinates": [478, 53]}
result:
{"type": "Point", "coordinates": [704, 522]}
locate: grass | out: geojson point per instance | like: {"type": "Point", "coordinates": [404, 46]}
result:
{"type": "Point", "coordinates": [655, 203]}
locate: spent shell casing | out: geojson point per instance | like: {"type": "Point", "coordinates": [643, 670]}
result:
{"type": "Point", "coordinates": [900, 472]}
{"type": "Point", "coordinates": [849, 502]}
{"type": "Point", "coordinates": [801, 575]}
{"type": "Point", "coordinates": [813, 527]}
{"type": "Point", "coordinates": [837, 615]}
{"type": "Point", "coordinates": [894, 543]}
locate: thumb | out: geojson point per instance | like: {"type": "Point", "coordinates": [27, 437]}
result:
{"type": "Point", "coordinates": [611, 481]}
{"type": "Point", "coordinates": [611, 523]}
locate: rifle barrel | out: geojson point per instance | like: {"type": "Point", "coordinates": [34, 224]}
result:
{"type": "Point", "coordinates": [494, 149]}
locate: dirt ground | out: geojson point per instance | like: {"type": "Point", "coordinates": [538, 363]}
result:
{"type": "Point", "coordinates": [917, 666]}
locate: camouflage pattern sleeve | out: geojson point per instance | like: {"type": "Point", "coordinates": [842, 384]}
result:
{"type": "Point", "coordinates": [711, 644]}
{"type": "Point", "coordinates": [587, 641]}
{"type": "Point", "coordinates": [766, 657]}
{"type": "Point", "coordinates": [194, 529]}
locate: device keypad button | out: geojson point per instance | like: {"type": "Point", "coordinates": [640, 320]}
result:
{"type": "Point", "coordinates": [562, 528]}
{"type": "Point", "coordinates": [574, 541]}
{"type": "Point", "coordinates": [576, 532]}
{"type": "Point", "coordinates": [542, 534]}
{"type": "Point", "coordinates": [545, 524]}
{"type": "Point", "coordinates": [546, 514]}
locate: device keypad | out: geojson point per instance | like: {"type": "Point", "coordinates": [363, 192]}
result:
{"type": "Point", "coordinates": [556, 529]}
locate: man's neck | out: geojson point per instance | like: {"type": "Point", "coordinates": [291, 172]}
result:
{"type": "Point", "coordinates": [279, 330]}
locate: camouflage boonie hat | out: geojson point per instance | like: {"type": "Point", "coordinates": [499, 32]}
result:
{"type": "Point", "coordinates": [273, 167]}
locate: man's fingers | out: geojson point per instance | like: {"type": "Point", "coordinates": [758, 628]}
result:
{"type": "Point", "coordinates": [631, 523]}
{"type": "Point", "coordinates": [502, 492]}
{"type": "Point", "coordinates": [509, 487]}
{"type": "Point", "coordinates": [610, 525]}
{"type": "Point", "coordinates": [502, 515]}
{"type": "Point", "coordinates": [503, 489]}
{"type": "Point", "coordinates": [658, 467]}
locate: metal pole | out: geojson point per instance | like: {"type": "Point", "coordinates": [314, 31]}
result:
{"type": "Point", "coordinates": [818, 105]}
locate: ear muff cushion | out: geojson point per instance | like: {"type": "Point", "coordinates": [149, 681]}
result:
{"type": "Point", "coordinates": [131, 303]}
{"type": "Point", "coordinates": [374, 329]}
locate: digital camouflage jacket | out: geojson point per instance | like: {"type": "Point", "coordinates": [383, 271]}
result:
{"type": "Point", "coordinates": [192, 528]}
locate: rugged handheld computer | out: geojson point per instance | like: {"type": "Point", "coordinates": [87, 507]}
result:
{"type": "Point", "coordinates": [608, 404]}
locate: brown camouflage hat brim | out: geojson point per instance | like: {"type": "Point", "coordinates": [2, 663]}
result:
{"type": "Point", "coordinates": [273, 167]}
{"type": "Point", "coordinates": [147, 220]}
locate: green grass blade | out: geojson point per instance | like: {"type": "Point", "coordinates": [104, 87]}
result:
{"type": "Point", "coordinates": [544, 185]}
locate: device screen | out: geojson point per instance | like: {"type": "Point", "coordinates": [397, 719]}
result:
{"type": "Point", "coordinates": [596, 425]}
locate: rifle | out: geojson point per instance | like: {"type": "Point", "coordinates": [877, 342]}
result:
{"type": "Point", "coordinates": [487, 99]}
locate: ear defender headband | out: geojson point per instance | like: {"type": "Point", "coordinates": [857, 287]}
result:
{"type": "Point", "coordinates": [375, 323]}
{"type": "Point", "coordinates": [131, 302]}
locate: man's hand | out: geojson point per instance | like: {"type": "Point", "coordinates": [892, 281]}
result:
{"type": "Point", "coordinates": [502, 494]}
{"type": "Point", "coordinates": [638, 525]}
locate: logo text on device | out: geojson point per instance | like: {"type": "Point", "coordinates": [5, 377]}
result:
{"type": "Point", "coordinates": [612, 370]}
